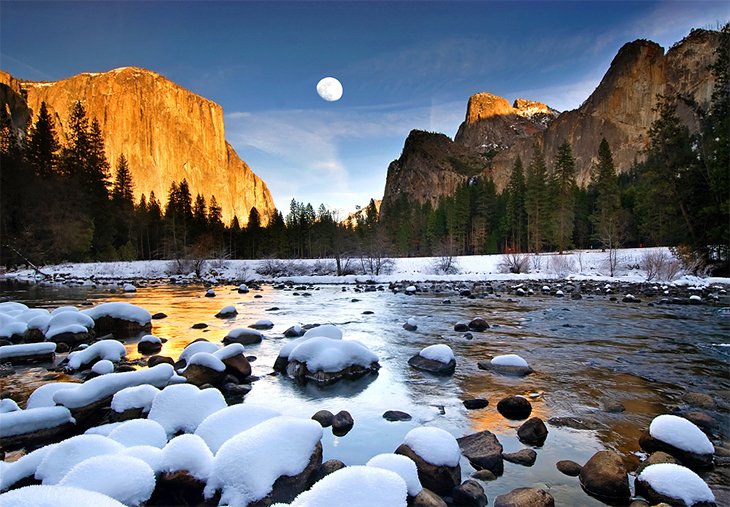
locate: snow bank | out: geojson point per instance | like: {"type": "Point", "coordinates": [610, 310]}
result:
{"type": "Point", "coordinates": [246, 466]}
{"type": "Point", "coordinates": [356, 486]}
{"type": "Point", "coordinates": [111, 350]}
{"type": "Point", "coordinates": [107, 385]}
{"type": "Point", "coordinates": [331, 355]}
{"type": "Point", "coordinates": [441, 353]}
{"type": "Point", "coordinates": [509, 360]}
{"type": "Point", "coordinates": [434, 445]}
{"type": "Point", "coordinates": [120, 310]}
{"type": "Point", "coordinates": [183, 407]}
{"type": "Point", "coordinates": [67, 454]}
{"type": "Point", "coordinates": [140, 432]}
{"type": "Point", "coordinates": [677, 481]}
{"type": "Point", "coordinates": [124, 478]}
{"type": "Point", "coordinates": [221, 426]}
{"type": "Point", "coordinates": [134, 397]}
{"type": "Point", "coordinates": [26, 349]}
{"type": "Point", "coordinates": [680, 433]}
{"type": "Point", "coordinates": [187, 452]}
{"type": "Point", "coordinates": [27, 421]}
{"type": "Point", "coordinates": [404, 466]}
{"type": "Point", "coordinates": [56, 496]}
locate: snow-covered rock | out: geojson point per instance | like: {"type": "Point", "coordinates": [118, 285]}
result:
{"type": "Point", "coordinates": [147, 453]}
{"type": "Point", "coordinates": [403, 466]}
{"type": "Point", "coordinates": [244, 336]}
{"type": "Point", "coordinates": [70, 327]}
{"type": "Point", "coordinates": [67, 454]}
{"type": "Point", "coordinates": [326, 330]}
{"type": "Point", "coordinates": [438, 359]}
{"type": "Point", "coordinates": [221, 426]}
{"type": "Point", "coordinates": [123, 320]}
{"type": "Point", "coordinates": [436, 455]}
{"type": "Point", "coordinates": [327, 360]}
{"type": "Point", "coordinates": [28, 352]}
{"type": "Point", "coordinates": [203, 368]}
{"type": "Point", "coordinates": [680, 438]}
{"type": "Point", "coordinates": [189, 453]}
{"type": "Point", "coordinates": [8, 405]}
{"type": "Point", "coordinates": [128, 287]}
{"type": "Point", "coordinates": [149, 344]}
{"type": "Point", "coordinates": [262, 324]}
{"type": "Point", "coordinates": [33, 426]}
{"type": "Point", "coordinates": [12, 329]}
{"type": "Point", "coordinates": [140, 432]}
{"type": "Point", "coordinates": [103, 367]}
{"type": "Point", "coordinates": [507, 364]}
{"type": "Point", "coordinates": [133, 398]}
{"type": "Point", "coordinates": [198, 346]}
{"type": "Point", "coordinates": [111, 350]}
{"type": "Point", "coordinates": [248, 465]}
{"type": "Point", "coordinates": [183, 407]}
{"type": "Point", "coordinates": [24, 467]}
{"type": "Point", "coordinates": [673, 484]}
{"type": "Point", "coordinates": [227, 312]}
{"type": "Point", "coordinates": [124, 478]}
{"type": "Point", "coordinates": [56, 496]}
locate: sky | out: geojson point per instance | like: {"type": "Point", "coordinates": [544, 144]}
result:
{"type": "Point", "coordinates": [403, 65]}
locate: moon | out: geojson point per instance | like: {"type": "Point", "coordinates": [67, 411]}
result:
{"type": "Point", "coordinates": [330, 89]}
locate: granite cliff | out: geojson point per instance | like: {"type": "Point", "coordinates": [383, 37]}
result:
{"type": "Point", "coordinates": [621, 109]}
{"type": "Point", "coordinates": [166, 132]}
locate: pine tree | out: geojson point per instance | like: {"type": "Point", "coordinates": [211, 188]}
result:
{"type": "Point", "coordinates": [564, 183]}
{"type": "Point", "coordinates": [515, 213]}
{"type": "Point", "coordinates": [42, 145]}
{"type": "Point", "coordinates": [75, 156]}
{"type": "Point", "coordinates": [607, 217]}
{"type": "Point", "coordinates": [123, 203]}
{"type": "Point", "coordinates": [536, 201]}
{"type": "Point", "coordinates": [215, 212]}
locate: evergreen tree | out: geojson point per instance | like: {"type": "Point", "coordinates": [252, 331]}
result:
{"type": "Point", "coordinates": [516, 214]}
{"type": "Point", "coordinates": [200, 217]}
{"type": "Point", "coordinates": [75, 156]}
{"type": "Point", "coordinates": [536, 201]}
{"type": "Point", "coordinates": [42, 144]}
{"type": "Point", "coordinates": [564, 183]}
{"type": "Point", "coordinates": [123, 207]}
{"type": "Point", "coordinates": [123, 186]}
{"type": "Point", "coordinates": [607, 216]}
{"type": "Point", "coordinates": [253, 233]}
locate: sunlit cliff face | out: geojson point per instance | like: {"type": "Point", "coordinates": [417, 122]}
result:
{"type": "Point", "coordinates": [166, 133]}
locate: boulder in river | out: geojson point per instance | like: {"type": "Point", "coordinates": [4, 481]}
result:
{"type": "Point", "coordinates": [525, 497]}
{"type": "Point", "coordinates": [604, 476]}
{"type": "Point", "coordinates": [514, 407]}
{"type": "Point", "coordinates": [478, 324]}
{"type": "Point", "coordinates": [437, 359]}
{"type": "Point", "coordinates": [436, 455]}
{"type": "Point", "coordinates": [342, 423]}
{"type": "Point", "coordinates": [675, 485]}
{"type": "Point", "coordinates": [679, 437]}
{"type": "Point", "coordinates": [532, 432]}
{"type": "Point", "coordinates": [483, 451]}
{"type": "Point", "coordinates": [469, 494]}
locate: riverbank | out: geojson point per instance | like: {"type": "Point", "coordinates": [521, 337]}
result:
{"type": "Point", "coordinates": [635, 266]}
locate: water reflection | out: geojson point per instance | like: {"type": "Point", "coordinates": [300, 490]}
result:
{"type": "Point", "coordinates": [584, 353]}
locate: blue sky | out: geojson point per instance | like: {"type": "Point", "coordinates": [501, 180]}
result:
{"type": "Point", "coordinates": [403, 65]}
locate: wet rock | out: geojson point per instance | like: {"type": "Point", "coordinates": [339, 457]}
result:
{"type": "Point", "coordinates": [427, 498]}
{"type": "Point", "coordinates": [238, 366]}
{"type": "Point", "coordinates": [409, 326]}
{"type": "Point", "coordinates": [700, 400]}
{"type": "Point", "coordinates": [299, 371]}
{"type": "Point", "coordinates": [243, 336]}
{"type": "Point", "coordinates": [506, 369]}
{"type": "Point", "coordinates": [200, 325]}
{"type": "Point", "coordinates": [656, 458]}
{"type": "Point", "coordinates": [227, 312]}
{"type": "Point", "coordinates": [324, 418]}
{"type": "Point", "coordinates": [577, 423]}
{"type": "Point", "coordinates": [642, 503]}
{"type": "Point", "coordinates": [326, 468]}
{"type": "Point", "coordinates": [287, 487]}
{"type": "Point", "coordinates": [262, 324]}
{"type": "Point", "coordinates": [368, 312]}
{"type": "Point", "coordinates": [429, 365]}
{"type": "Point", "coordinates": [525, 497]}
{"type": "Point", "coordinates": [475, 404]}
{"type": "Point", "coordinates": [468, 336]}
{"type": "Point", "coordinates": [199, 375]}
{"type": "Point", "coordinates": [532, 432]}
{"type": "Point", "coordinates": [483, 451]}
{"type": "Point", "coordinates": [514, 407]}
{"type": "Point", "coordinates": [613, 407]}
{"type": "Point", "coordinates": [605, 477]}
{"type": "Point", "coordinates": [688, 458]}
{"type": "Point", "coordinates": [342, 423]}
{"type": "Point", "coordinates": [484, 475]}
{"type": "Point", "coordinates": [149, 347]}
{"type": "Point", "coordinates": [121, 329]}
{"type": "Point", "coordinates": [177, 488]}
{"type": "Point", "coordinates": [703, 421]}
{"type": "Point", "coordinates": [461, 327]}
{"type": "Point", "coordinates": [159, 316]}
{"type": "Point", "coordinates": [469, 494]}
{"type": "Point", "coordinates": [155, 360]}
{"type": "Point", "coordinates": [524, 457]}
{"type": "Point", "coordinates": [439, 479]}
{"type": "Point", "coordinates": [478, 324]}
{"type": "Point", "coordinates": [295, 332]}
{"type": "Point", "coordinates": [396, 415]}
{"type": "Point", "coordinates": [568, 467]}
{"type": "Point", "coordinates": [62, 348]}
{"type": "Point", "coordinates": [683, 480]}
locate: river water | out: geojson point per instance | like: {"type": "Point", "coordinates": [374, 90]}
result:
{"type": "Point", "coordinates": [584, 352]}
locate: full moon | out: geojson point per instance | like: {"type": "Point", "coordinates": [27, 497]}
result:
{"type": "Point", "coordinates": [330, 89]}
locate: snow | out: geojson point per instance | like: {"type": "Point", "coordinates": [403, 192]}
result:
{"type": "Point", "coordinates": [326, 330]}
{"type": "Point", "coordinates": [19, 422]}
{"type": "Point", "coordinates": [246, 466]}
{"type": "Point", "coordinates": [104, 429]}
{"type": "Point", "coordinates": [187, 452]}
{"type": "Point", "coordinates": [99, 388]}
{"type": "Point", "coordinates": [69, 322]}
{"type": "Point", "coordinates": [183, 407]}
{"type": "Point", "coordinates": [243, 331]}
{"type": "Point", "coordinates": [326, 354]}
{"type": "Point", "coordinates": [150, 338]}
{"type": "Point", "coordinates": [134, 397]}
{"type": "Point", "coordinates": [509, 360]}
{"type": "Point", "coordinates": [8, 405]}
{"type": "Point", "coordinates": [434, 445]}
{"type": "Point", "coordinates": [412, 322]}
{"type": "Point", "coordinates": [229, 351]}
{"type": "Point", "coordinates": [111, 350]}
{"type": "Point", "coordinates": [263, 323]}
{"type": "Point", "coordinates": [26, 349]}
{"type": "Point", "coordinates": [147, 453]}
{"type": "Point", "coordinates": [56, 496]}
{"type": "Point", "coordinates": [207, 360]}
{"type": "Point", "coordinates": [124, 478]}
{"type": "Point", "coordinates": [12, 306]}
{"type": "Point", "coordinates": [40, 322]}
{"type": "Point", "coordinates": [140, 432]}
{"type": "Point", "coordinates": [70, 452]}
{"type": "Point", "coordinates": [9, 326]}
{"type": "Point", "coordinates": [680, 433]}
{"type": "Point", "coordinates": [677, 481]}
{"type": "Point", "coordinates": [195, 347]}
{"type": "Point", "coordinates": [128, 287]}
{"type": "Point", "coordinates": [12, 472]}
{"type": "Point", "coordinates": [404, 466]}
{"type": "Point", "coordinates": [103, 367]}
{"type": "Point", "coordinates": [120, 310]}
{"type": "Point", "coordinates": [62, 309]}
{"type": "Point", "coordinates": [221, 426]}
{"type": "Point", "coordinates": [228, 311]}
{"type": "Point", "coordinates": [43, 395]}
{"type": "Point", "coordinates": [441, 353]}
{"type": "Point", "coordinates": [355, 486]}
{"type": "Point", "coordinates": [33, 313]}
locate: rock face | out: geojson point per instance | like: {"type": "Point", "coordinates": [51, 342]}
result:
{"type": "Point", "coordinates": [495, 133]}
{"type": "Point", "coordinates": [166, 132]}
